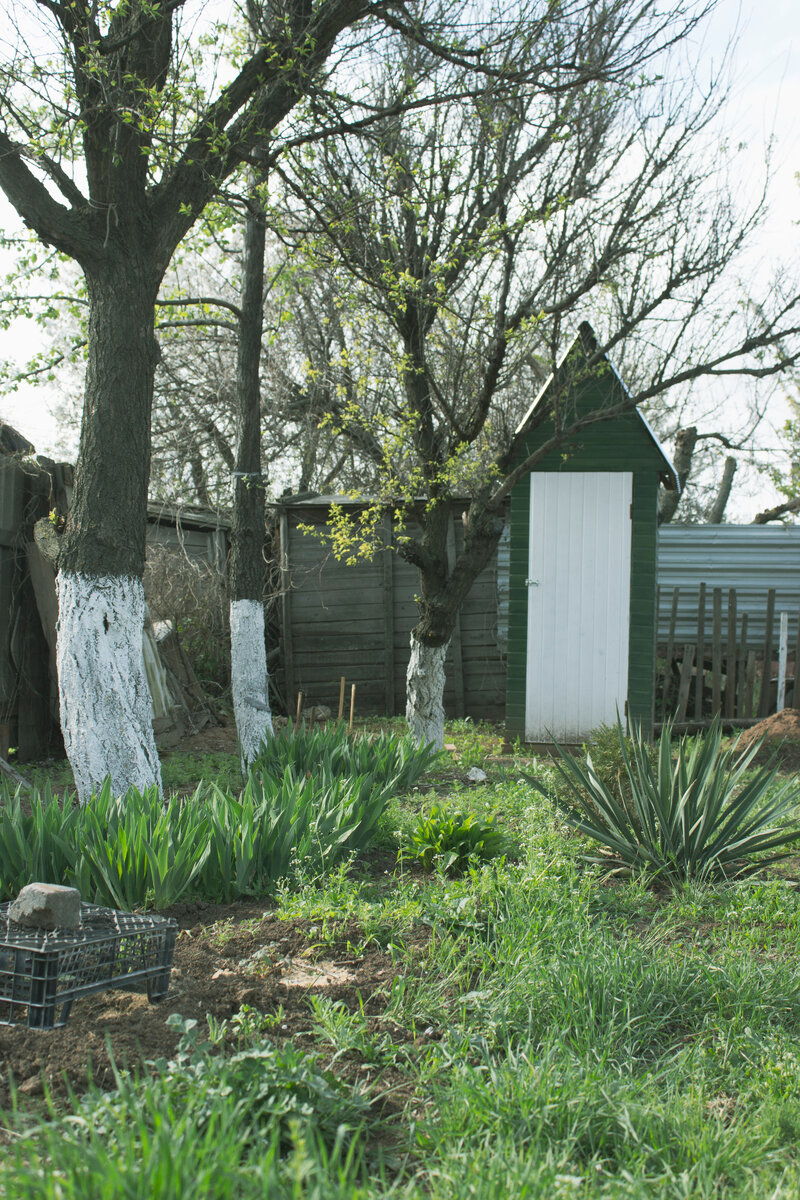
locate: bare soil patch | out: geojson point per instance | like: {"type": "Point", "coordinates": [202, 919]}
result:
{"type": "Point", "coordinates": [226, 956]}
{"type": "Point", "coordinates": [214, 739]}
{"type": "Point", "coordinates": [781, 733]}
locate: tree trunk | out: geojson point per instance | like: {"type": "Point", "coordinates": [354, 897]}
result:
{"type": "Point", "coordinates": [106, 711]}
{"type": "Point", "coordinates": [249, 680]}
{"type": "Point", "coordinates": [442, 594]}
{"type": "Point", "coordinates": [425, 681]}
{"type": "Point", "coordinates": [685, 442]}
{"type": "Point", "coordinates": [724, 493]}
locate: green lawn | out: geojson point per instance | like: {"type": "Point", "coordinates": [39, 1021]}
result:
{"type": "Point", "coordinates": [556, 1033]}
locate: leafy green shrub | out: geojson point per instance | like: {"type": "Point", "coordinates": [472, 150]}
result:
{"type": "Point", "coordinates": [452, 840]}
{"type": "Point", "coordinates": [705, 815]}
{"type": "Point", "coordinates": [268, 1089]}
{"type": "Point", "coordinates": [248, 1124]}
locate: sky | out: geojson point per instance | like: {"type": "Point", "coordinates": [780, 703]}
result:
{"type": "Point", "coordinates": [764, 108]}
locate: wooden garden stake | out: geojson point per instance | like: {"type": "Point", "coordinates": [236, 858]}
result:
{"type": "Point", "coordinates": [763, 703]}
{"type": "Point", "coordinates": [730, 678]}
{"type": "Point", "coordinates": [685, 681]}
{"type": "Point", "coordinates": [741, 710]}
{"type": "Point", "coordinates": [352, 706]}
{"type": "Point", "coordinates": [299, 708]}
{"type": "Point", "coordinates": [668, 661]}
{"type": "Point", "coordinates": [341, 698]}
{"type": "Point", "coordinates": [751, 682]}
{"type": "Point", "coordinates": [716, 654]}
{"type": "Point", "coordinates": [783, 655]}
{"type": "Point", "coordinates": [701, 654]}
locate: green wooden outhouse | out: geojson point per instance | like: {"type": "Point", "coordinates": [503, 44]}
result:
{"type": "Point", "coordinates": [582, 603]}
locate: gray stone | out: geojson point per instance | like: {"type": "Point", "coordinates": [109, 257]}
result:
{"type": "Point", "coordinates": [476, 775]}
{"type": "Point", "coordinates": [47, 906]}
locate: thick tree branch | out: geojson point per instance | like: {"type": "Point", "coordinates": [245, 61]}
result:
{"type": "Point", "coordinates": [775, 514]}
{"type": "Point", "coordinates": [55, 225]}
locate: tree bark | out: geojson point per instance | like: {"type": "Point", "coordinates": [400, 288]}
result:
{"type": "Point", "coordinates": [775, 514]}
{"type": "Point", "coordinates": [106, 712]}
{"type": "Point", "coordinates": [425, 681]}
{"type": "Point", "coordinates": [685, 442]}
{"type": "Point", "coordinates": [249, 679]}
{"type": "Point", "coordinates": [724, 493]}
{"type": "Point", "coordinates": [442, 594]}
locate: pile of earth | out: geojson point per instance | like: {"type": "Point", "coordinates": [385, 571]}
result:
{"type": "Point", "coordinates": [781, 735]}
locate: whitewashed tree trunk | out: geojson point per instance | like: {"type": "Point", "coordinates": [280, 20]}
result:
{"type": "Point", "coordinates": [106, 710]}
{"type": "Point", "coordinates": [425, 693]}
{"type": "Point", "coordinates": [249, 679]}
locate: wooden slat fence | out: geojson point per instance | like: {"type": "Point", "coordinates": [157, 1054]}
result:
{"type": "Point", "coordinates": [732, 676]}
{"type": "Point", "coordinates": [356, 619]}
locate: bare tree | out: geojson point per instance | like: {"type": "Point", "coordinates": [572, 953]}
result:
{"type": "Point", "coordinates": [112, 143]}
{"type": "Point", "coordinates": [476, 236]}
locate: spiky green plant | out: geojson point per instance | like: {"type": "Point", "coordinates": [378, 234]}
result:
{"type": "Point", "coordinates": [311, 800]}
{"type": "Point", "coordinates": [699, 811]}
{"type": "Point", "coordinates": [394, 762]}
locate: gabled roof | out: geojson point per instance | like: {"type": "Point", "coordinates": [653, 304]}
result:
{"type": "Point", "coordinates": [585, 344]}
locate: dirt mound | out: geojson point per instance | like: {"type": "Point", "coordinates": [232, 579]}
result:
{"type": "Point", "coordinates": [781, 734]}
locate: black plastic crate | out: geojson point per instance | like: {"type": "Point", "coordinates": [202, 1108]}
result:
{"type": "Point", "coordinates": [42, 971]}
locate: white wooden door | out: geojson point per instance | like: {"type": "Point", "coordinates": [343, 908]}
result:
{"type": "Point", "coordinates": [579, 580]}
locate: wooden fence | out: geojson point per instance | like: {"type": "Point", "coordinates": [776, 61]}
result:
{"type": "Point", "coordinates": [355, 620]}
{"type": "Point", "coordinates": [722, 670]}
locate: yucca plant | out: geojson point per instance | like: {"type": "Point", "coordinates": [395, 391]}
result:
{"type": "Point", "coordinates": [696, 811]}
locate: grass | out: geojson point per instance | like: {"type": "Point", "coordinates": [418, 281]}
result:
{"type": "Point", "coordinates": [554, 1035]}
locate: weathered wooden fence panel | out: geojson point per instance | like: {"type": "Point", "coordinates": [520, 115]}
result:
{"type": "Point", "coordinates": [741, 674]}
{"type": "Point", "coordinates": [356, 620]}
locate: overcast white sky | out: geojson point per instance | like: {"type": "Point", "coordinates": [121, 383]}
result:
{"type": "Point", "coordinates": [765, 104]}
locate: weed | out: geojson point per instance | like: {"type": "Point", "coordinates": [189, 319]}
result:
{"type": "Point", "coordinates": [451, 840]}
{"type": "Point", "coordinates": [347, 1031]}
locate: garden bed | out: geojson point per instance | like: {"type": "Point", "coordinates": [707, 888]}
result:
{"type": "Point", "coordinates": [530, 1025]}
{"type": "Point", "coordinates": [226, 957]}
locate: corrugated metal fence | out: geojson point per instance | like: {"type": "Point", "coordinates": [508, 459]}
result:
{"type": "Point", "coordinates": [750, 558]}
{"type": "Point", "coordinates": [729, 602]}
